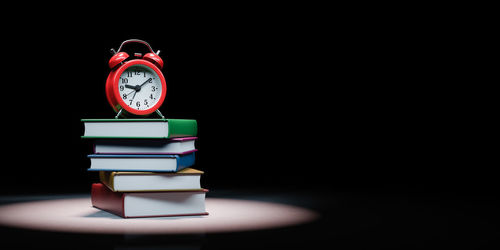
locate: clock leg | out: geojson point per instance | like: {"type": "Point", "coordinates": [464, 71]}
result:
{"type": "Point", "coordinates": [159, 113]}
{"type": "Point", "coordinates": [118, 114]}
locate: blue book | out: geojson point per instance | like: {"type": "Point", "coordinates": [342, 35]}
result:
{"type": "Point", "coordinates": [140, 163]}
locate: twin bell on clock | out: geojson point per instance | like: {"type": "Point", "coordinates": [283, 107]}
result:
{"type": "Point", "coordinates": [135, 86]}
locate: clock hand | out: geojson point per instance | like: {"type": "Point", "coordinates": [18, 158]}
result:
{"type": "Point", "coordinates": [137, 88]}
{"type": "Point", "coordinates": [130, 93]}
{"type": "Point", "coordinates": [148, 80]}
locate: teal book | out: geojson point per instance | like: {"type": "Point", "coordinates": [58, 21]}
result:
{"type": "Point", "coordinates": [139, 128]}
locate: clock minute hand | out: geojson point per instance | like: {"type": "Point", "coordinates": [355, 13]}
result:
{"type": "Point", "coordinates": [148, 80]}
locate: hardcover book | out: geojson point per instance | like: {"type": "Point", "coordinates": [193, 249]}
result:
{"type": "Point", "coordinates": [139, 128]}
{"type": "Point", "coordinates": [181, 145]}
{"type": "Point", "coordinates": [186, 179]}
{"type": "Point", "coordinates": [141, 163]}
{"type": "Point", "coordinates": [149, 204]}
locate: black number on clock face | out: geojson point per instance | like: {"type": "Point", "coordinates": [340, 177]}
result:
{"type": "Point", "coordinates": [139, 82]}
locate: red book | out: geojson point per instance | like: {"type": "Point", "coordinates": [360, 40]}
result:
{"type": "Point", "coordinates": [148, 204]}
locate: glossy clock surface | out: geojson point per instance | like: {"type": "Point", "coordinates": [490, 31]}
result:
{"type": "Point", "coordinates": [136, 87]}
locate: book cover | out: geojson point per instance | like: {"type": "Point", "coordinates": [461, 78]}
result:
{"type": "Point", "coordinates": [139, 128]}
{"type": "Point", "coordinates": [148, 204]}
{"type": "Point", "coordinates": [185, 179]}
{"type": "Point", "coordinates": [140, 163]}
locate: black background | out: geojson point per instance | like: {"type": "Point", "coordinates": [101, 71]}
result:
{"type": "Point", "coordinates": [381, 119]}
{"type": "Point", "coordinates": [289, 99]}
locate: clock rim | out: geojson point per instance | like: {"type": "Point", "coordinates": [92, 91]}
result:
{"type": "Point", "coordinates": [116, 93]}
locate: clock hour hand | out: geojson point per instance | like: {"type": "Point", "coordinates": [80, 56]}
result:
{"type": "Point", "coordinates": [136, 87]}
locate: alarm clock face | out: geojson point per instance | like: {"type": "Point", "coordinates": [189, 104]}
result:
{"type": "Point", "coordinates": [139, 87]}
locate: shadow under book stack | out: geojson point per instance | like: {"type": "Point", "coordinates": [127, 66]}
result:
{"type": "Point", "coordinates": [144, 167]}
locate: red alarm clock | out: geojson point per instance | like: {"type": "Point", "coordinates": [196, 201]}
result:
{"type": "Point", "coordinates": [136, 86]}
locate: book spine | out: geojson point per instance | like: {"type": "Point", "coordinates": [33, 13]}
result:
{"type": "Point", "coordinates": [107, 178]}
{"type": "Point", "coordinates": [184, 161]}
{"type": "Point", "coordinates": [105, 199]}
{"type": "Point", "coordinates": [182, 128]}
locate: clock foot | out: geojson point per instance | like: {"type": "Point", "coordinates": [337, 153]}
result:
{"type": "Point", "coordinates": [118, 114]}
{"type": "Point", "coordinates": [159, 113]}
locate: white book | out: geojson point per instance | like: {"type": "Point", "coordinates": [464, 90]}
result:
{"type": "Point", "coordinates": [182, 145]}
{"type": "Point", "coordinates": [141, 163]}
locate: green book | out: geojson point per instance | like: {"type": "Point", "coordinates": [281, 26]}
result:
{"type": "Point", "coordinates": [139, 128]}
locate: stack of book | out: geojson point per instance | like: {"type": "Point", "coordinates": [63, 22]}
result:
{"type": "Point", "coordinates": [144, 167]}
